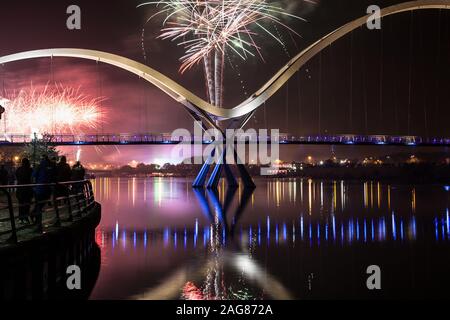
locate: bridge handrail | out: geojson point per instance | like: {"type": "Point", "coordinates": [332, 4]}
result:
{"type": "Point", "coordinates": [71, 200]}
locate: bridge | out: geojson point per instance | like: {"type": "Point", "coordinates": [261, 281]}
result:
{"type": "Point", "coordinates": [285, 139]}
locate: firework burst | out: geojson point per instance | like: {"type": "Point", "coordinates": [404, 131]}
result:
{"type": "Point", "coordinates": [51, 109]}
{"type": "Point", "coordinates": [208, 28]}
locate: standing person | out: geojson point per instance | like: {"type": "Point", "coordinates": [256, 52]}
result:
{"type": "Point", "coordinates": [3, 175]}
{"type": "Point", "coordinates": [24, 194]}
{"type": "Point", "coordinates": [63, 174]}
{"type": "Point", "coordinates": [43, 175]}
{"type": "Point", "coordinates": [78, 174]}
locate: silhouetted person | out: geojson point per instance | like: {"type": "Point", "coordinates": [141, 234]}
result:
{"type": "Point", "coordinates": [63, 174]}
{"type": "Point", "coordinates": [53, 165]}
{"type": "Point", "coordinates": [78, 174]}
{"type": "Point", "coordinates": [4, 176]}
{"type": "Point", "coordinates": [43, 175]}
{"type": "Point", "coordinates": [24, 194]}
{"type": "Point", "coordinates": [2, 111]}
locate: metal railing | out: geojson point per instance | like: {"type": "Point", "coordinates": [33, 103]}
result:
{"type": "Point", "coordinates": [285, 138]}
{"type": "Point", "coordinates": [62, 203]}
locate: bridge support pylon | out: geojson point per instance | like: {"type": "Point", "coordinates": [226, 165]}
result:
{"type": "Point", "coordinates": [222, 167]}
{"type": "Point", "coordinates": [221, 163]}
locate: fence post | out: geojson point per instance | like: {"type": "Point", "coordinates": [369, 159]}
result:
{"type": "Point", "coordinates": [55, 205]}
{"type": "Point", "coordinates": [11, 216]}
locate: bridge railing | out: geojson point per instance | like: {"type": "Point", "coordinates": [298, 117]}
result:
{"type": "Point", "coordinates": [29, 209]}
{"type": "Point", "coordinates": [285, 138]}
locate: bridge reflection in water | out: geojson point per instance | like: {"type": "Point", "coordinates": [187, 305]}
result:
{"type": "Point", "coordinates": [287, 239]}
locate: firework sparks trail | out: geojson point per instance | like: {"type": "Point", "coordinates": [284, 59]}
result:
{"type": "Point", "coordinates": [217, 25]}
{"type": "Point", "coordinates": [50, 109]}
{"type": "Point", "coordinates": [208, 28]}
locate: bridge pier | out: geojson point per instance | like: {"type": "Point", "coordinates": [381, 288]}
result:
{"type": "Point", "coordinates": [220, 167]}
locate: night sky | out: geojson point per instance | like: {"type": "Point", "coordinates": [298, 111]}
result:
{"type": "Point", "coordinates": [411, 49]}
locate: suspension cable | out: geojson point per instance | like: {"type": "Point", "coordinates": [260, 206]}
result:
{"type": "Point", "coordinates": [287, 107]}
{"type": "Point", "coordinates": [438, 73]}
{"type": "Point", "coordinates": [425, 114]}
{"type": "Point", "coordinates": [381, 76]}
{"type": "Point", "coordinates": [351, 84]}
{"type": "Point", "coordinates": [299, 100]}
{"type": "Point", "coordinates": [411, 46]}
{"type": "Point", "coordinates": [320, 92]}
{"type": "Point", "coordinates": [364, 80]}
{"type": "Point", "coordinates": [4, 96]}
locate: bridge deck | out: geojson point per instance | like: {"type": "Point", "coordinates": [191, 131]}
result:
{"type": "Point", "coordinates": [285, 139]}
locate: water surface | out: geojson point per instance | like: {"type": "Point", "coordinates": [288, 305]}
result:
{"type": "Point", "coordinates": [287, 239]}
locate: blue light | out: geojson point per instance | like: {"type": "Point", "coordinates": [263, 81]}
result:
{"type": "Point", "coordinates": [447, 188]}
{"type": "Point", "coordinates": [365, 230]}
{"type": "Point", "coordinates": [334, 227]}
{"type": "Point", "coordinates": [284, 232]}
{"type": "Point", "coordinates": [318, 230]}
{"type": "Point", "coordinates": [448, 223]}
{"type": "Point", "coordinates": [357, 230]}
{"type": "Point", "coordinates": [259, 234]}
{"type": "Point", "coordinates": [166, 236]}
{"type": "Point", "coordinates": [394, 231]}
{"type": "Point", "coordinates": [276, 233]}
{"type": "Point", "coordinates": [301, 227]}
{"type": "Point", "coordinates": [145, 239]}
{"type": "Point", "coordinates": [185, 237]}
{"type": "Point", "coordinates": [350, 230]}
{"type": "Point", "coordinates": [401, 230]}
{"type": "Point", "coordinates": [134, 239]}
{"type": "Point", "coordinates": [436, 228]}
{"type": "Point", "coordinates": [268, 229]}
{"type": "Point", "coordinates": [372, 230]}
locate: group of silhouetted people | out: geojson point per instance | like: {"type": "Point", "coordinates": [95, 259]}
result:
{"type": "Point", "coordinates": [47, 172]}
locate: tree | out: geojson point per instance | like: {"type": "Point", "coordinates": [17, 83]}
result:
{"type": "Point", "coordinates": [40, 147]}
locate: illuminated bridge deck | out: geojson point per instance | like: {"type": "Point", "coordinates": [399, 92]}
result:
{"type": "Point", "coordinates": [285, 139]}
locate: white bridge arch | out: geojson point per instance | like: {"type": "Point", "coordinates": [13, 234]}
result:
{"type": "Point", "coordinates": [198, 105]}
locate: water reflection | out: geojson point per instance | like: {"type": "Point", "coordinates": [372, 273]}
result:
{"type": "Point", "coordinates": [168, 241]}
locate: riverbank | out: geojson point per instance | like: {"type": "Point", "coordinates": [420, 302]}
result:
{"type": "Point", "coordinates": [36, 268]}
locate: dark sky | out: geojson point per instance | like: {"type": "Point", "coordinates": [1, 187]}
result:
{"type": "Point", "coordinates": [404, 64]}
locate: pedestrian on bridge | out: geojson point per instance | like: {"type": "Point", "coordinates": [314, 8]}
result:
{"type": "Point", "coordinates": [43, 175]}
{"type": "Point", "coordinates": [78, 175]}
{"type": "Point", "coordinates": [63, 174]}
{"type": "Point", "coordinates": [24, 193]}
{"type": "Point", "coordinates": [4, 176]}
